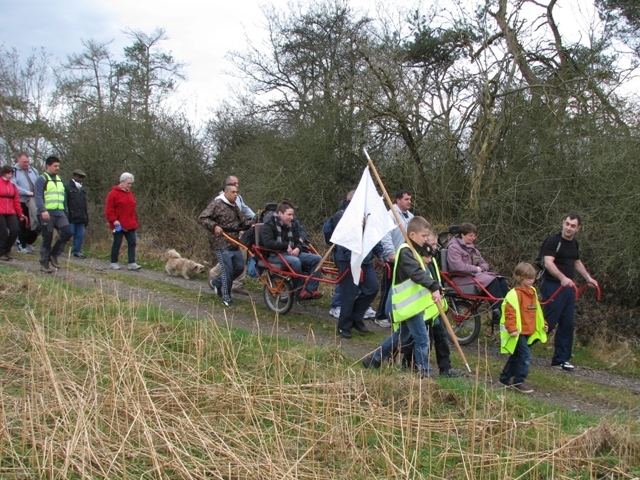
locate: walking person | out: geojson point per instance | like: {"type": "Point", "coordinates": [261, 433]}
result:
{"type": "Point", "coordinates": [10, 211]}
{"type": "Point", "coordinates": [51, 205]}
{"type": "Point", "coordinates": [561, 256]}
{"type": "Point", "coordinates": [77, 208]}
{"type": "Point", "coordinates": [521, 325]}
{"type": "Point", "coordinates": [120, 210]}
{"type": "Point", "coordinates": [24, 178]}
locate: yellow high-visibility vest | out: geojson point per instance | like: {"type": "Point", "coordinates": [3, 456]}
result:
{"type": "Point", "coordinates": [53, 193]}
{"type": "Point", "coordinates": [408, 298]}
{"type": "Point", "coordinates": [507, 342]}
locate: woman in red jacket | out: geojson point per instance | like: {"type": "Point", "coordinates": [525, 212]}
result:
{"type": "Point", "coordinates": [10, 211]}
{"type": "Point", "coordinates": [120, 210]}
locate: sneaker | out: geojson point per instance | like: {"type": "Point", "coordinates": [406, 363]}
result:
{"type": "Point", "coordinates": [29, 249]}
{"type": "Point", "coordinates": [382, 322]}
{"type": "Point", "coordinates": [370, 313]}
{"type": "Point", "coordinates": [79, 255]}
{"type": "Point", "coordinates": [46, 268]}
{"type": "Point", "coordinates": [133, 266]}
{"type": "Point", "coordinates": [451, 373]}
{"type": "Point", "coordinates": [361, 327]}
{"type": "Point", "coordinates": [214, 288]}
{"type": "Point", "coordinates": [54, 262]}
{"type": "Point", "coordinates": [522, 388]}
{"type": "Point", "coordinates": [335, 312]}
{"type": "Point", "coordinates": [344, 333]}
{"type": "Point", "coordinates": [564, 366]}
{"type": "Point", "coordinates": [227, 303]}
{"type": "Point", "coordinates": [370, 362]}
{"type": "Point", "coordinates": [115, 266]}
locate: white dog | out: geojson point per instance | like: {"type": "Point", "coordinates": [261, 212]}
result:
{"type": "Point", "coordinates": [176, 265]}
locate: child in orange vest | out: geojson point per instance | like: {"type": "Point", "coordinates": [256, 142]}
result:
{"type": "Point", "coordinates": [521, 325]}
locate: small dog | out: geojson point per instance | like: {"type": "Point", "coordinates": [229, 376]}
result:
{"type": "Point", "coordinates": [176, 265]}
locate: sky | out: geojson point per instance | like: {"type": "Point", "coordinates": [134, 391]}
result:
{"type": "Point", "coordinates": [201, 33]}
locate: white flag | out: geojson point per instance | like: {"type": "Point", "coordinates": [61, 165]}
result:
{"type": "Point", "coordinates": [366, 206]}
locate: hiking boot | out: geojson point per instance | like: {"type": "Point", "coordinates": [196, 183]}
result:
{"type": "Point", "coordinates": [335, 312]}
{"type": "Point", "coordinates": [133, 266]}
{"type": "Point", "coordinates": [361, 327]}
{"type": "Point", "coordinates": [382, 322]}
{"type": "Point", "coordinates": [564, 366]}
{"type": "Point", "coordinates": [344, 333]}
{"type": "Point", "coordinates": [370, 313]}
{"type": "Point", "coordinates": [114, 266]}
{"type": "Point", "coordinates": [370, 362]}
{"type": "Point", "coordinates": [522, 388]}
{"type": "Point", "coordinates": [54, 262]}
{"type": "Point", "coordinates": [45, 268]}
{"type": "Point", "coordinates": [451, 373]}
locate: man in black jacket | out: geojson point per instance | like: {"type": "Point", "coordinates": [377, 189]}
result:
{"type": "Point", "coordinates": [77, 206]}
{"type": "Point", "coordinates": [279, 234]}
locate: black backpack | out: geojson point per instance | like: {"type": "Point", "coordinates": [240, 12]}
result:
{"type": "Point", "coordinates": [330, 226]}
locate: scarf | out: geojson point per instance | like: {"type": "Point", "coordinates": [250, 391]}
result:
{"type": "Point", "coordinates": [279, 227]}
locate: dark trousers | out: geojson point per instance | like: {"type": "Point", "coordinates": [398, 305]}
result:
{"type": "Point", "coordinates": [560, 313]}
{"type": "Point", "coordinates": [232, 265]}
{"type": "Point", "coordinates": [130, 235]}
{"type": "Point", "coordinates": [8, 232]}
{"type": "Point", "coordinates": [26, 236]}
{"type": "Point", "coordinates": [499, 289]}
{"type": "Point", "coordinates": [440, 337]}
{"type": "Point", "coordinates": [517, 366]}
{"type": "Point", "coordinates": [61, 224]}
{"type": "Point", "coordinates": [385, 286]}
{"type": "Point", "coordinates": [354, 304]}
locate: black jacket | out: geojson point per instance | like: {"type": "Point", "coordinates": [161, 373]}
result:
{"type": "Point", "coordinates": [408, 267]}
{"type": "Point", "coordinates": [269, 237]}
{"type": "Point", "coordinates": [76, 203]}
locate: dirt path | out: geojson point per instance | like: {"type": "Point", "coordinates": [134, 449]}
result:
{"type": "Point", "coordinates": [91, 273]}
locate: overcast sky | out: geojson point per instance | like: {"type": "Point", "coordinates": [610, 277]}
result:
{"type": "Point", "coordinates": [200, 32]}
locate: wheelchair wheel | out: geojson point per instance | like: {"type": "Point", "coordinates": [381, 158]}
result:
{"type": "Point", "coordinates": [282, 301]}
{"type": "Point", "coordinates": [464, 320]}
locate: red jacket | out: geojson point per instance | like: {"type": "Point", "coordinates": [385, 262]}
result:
{"type": "Point", "coordinates": [9, 198]}
{"type": "Point", "coordinates": [121, 206]}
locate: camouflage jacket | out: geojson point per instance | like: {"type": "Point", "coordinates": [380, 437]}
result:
{"type": "Point", "coordinates": [228, 217]}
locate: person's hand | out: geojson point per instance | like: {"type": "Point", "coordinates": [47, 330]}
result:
{"type": "Point", "coordinates": [592, 281]}
{"type": "Point", "coordinates": [546, 327]}
{"type": "Point", "coordinates": [567, 282]}
{"type": "Point", "coordinates": [436, 296]}
{"type": "Point", "coordinates": [45, 216]}
{"type": "Point", "coordinates": [30, 194]}
{"type": "Point", "coordinates": [478, 269]}
{"type": "Point", "coordinates": [295, 252]}
{"type": "Point", "coordinates": [217, 230]}
{"type": "Point", "coordinates": [514, 333]}
{"type": "Point", "coordinates": [392, 257]}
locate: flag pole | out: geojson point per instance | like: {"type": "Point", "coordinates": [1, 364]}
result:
{"type": "Point", "coordinates": [443, 316]}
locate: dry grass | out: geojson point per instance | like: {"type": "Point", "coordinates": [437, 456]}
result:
{"type": "Point", "coordinates": [93, 387]}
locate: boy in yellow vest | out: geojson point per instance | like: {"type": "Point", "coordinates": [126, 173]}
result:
{"type": "Point", "coordinates": [521, 325]}
{"type": "Point", "coordinates": [412, 292]}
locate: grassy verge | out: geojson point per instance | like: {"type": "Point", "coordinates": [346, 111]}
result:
{"type": "Point", "coordinates": [93, 387]}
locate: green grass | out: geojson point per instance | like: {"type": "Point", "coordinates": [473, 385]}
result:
{"type": "Point", "coordinates": [95, 387]}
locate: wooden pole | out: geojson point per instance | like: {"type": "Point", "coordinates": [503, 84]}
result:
{"type": "Point", "coordinates": [443, 316]}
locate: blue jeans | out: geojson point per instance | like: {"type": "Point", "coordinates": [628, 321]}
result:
{"type": "Point", "coordinates": [130, 235]}
{"type": "Point", "coordinates": [77, 230]}
{"type": "Point", "coordinates": [412, 327]}
{"type": "Point", "coordinates": [232, 265]}
{"type": "Point", "coordinates": [355, 299]}
{"type": "Point", "coordinates": [560, 313]}
{"type": "Point", "coordinates": [304, 262]}
{"type": "Point", "coordinates": [517, 366]}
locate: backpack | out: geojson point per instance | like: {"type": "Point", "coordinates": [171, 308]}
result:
{"type": "Point", "coordinates": [539, 263]}
{"type": "Point", "coordinates": [330, 225]}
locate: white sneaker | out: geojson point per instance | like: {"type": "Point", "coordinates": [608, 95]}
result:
{"type": "Point", "coordinates": [115, 266]}
{"type": "Point", "coordinates": [370, 313]}
{"type": "Point", "coordinates": [382, 322]}
{"type": "Point", "coordinates": [133, 266]}
{"type": "Point", "coordinates": [335, 312]}
{"type": "Point", "coordinates": [29, 249]}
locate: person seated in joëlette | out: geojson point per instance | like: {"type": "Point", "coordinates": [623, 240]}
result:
{"type": "Point", "coordinates": [464, 257]}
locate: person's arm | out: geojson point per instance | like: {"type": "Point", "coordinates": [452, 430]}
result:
{"type": "Point", "coordinates": [38, 194]}
{"type": "Point", "coordinates": [21, 189]}
{"type": "Point", "coordinates": [455, 261]}
{"type": "Point", "coordinates": [207, 219]}
{"type": "Point", "coordinates": [16, 203]}
{"type": "Point", "coordinates": [550, 266]}
{"type": "Point", "coordinates": [412, 269]}
{"type": "Point", "coordinates": [510, 320]}
{"type": "Point", "coordinates": [582, 270]}
{"type": "Point", "coordinates": [244, 208]}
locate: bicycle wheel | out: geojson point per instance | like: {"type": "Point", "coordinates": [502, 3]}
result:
{"type": "Point", "coordinates": [282, 301]}
{"type": "Point", "coordinates": [465, 321]}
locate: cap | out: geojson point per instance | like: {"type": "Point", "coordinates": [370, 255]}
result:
{"type": "Point", "coordinates": [79, 173]}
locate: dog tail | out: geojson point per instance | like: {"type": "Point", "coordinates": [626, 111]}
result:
{"type": "Point", "coordinates": [173, 254]}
